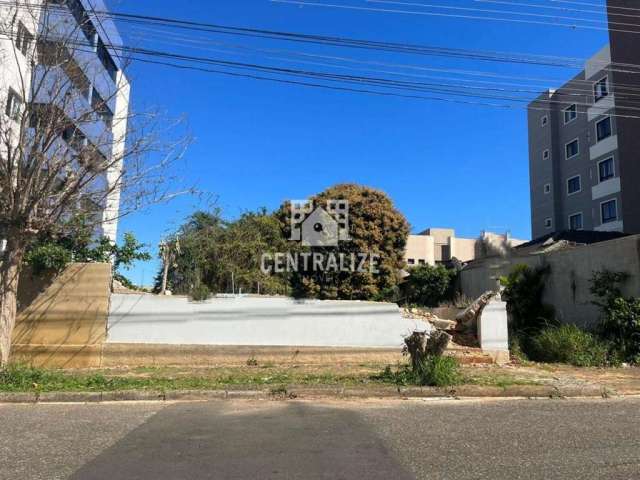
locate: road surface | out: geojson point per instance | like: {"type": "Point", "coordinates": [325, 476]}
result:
{"type": "Point", "coordinates": [372, 440]}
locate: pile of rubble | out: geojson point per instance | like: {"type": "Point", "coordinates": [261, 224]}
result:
{"type": "Point", "coordinates": [430, 318]}
{"type": "Point", "coordinates": [462, 330]}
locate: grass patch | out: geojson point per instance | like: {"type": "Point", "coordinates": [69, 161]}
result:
{"type": "Point", "coordinates": [20, 378]}
{"type": "Point", "coordinates": [569, 344]}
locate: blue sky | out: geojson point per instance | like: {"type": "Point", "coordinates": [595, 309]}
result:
{"type": "Point", "coordinates": [259, 143]}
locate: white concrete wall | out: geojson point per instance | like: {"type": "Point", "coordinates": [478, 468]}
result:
{"type": "Point", "coordinates": [493, 331]}
{"type": "Point", "coordinates": [568, 284]}
{"type": "Point", "coordinates": [257, 321]}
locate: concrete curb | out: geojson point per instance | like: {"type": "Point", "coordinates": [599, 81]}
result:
{"type": "Point", "coordinates": [304, 392]}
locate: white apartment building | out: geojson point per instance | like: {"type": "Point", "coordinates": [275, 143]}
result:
{"type": "Point", "coordinates": [93, 72]}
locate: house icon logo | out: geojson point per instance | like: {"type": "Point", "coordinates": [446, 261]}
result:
{"type": "Point", "coordinates": [320, 226]}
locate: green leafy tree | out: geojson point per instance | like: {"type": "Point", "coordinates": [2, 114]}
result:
{"type": "Point", "coordinates": [427, 285]}
{"type": "Point", "coordinates": [244, 243]}
{"type": "Point", "coordinates": [47, 257]}
{"type": "Point", "coordinates": [213, 251]}
{"type": "Point", "coordinates": [51, 253]}
{"type": "Point", "coordinates": [376, 227]}
{"type": "Point", "coordinates": [197, 258]}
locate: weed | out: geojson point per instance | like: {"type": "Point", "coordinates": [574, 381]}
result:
{"type": "Point", "coordinates": [435, 371]}
{"type": "Point", "coordinates": [569, 344]}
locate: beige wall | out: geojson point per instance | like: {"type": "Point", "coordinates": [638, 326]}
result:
{"type": "Point", "coordinates": [567, 288]}
{"type": "Point", "coordinates": [63, 323]}
{"type": "Point", "coordinates": [464, 249]}
{"type": "Point", "coordinates": [420, 248]}
{"type": "Point", "coordinates": [440, 244]}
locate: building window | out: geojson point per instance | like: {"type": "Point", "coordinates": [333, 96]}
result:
{"type": "Point", "coordinates": [14, 105]}
{"type": "Point", "coordinates": [572, 149]}
{"type": "Point", "coordinates": [603, 129]}
{"type": "Point", "coordinates": [411, 261]}
{"type": "Point", "coordinates": [606, 169]}
{"type": "Point", "coordinates": [101, 108]}
{"type": "Point", "coordinates": [74, 138]}
{"type": "Point", "coordinates": [609, 211]}
{"type": "Point", "coordinates": [573, 185]}
{"type": "Point", "coordinates": [600, 89]}
{"type": "Point", "coordinates": [547, 223]}
{"type": "Point", "coordinates": [421, 262]}
{"type": "Point", "coordinates": [545, 155]}
{"type": "Point", "coordinates": [547, 188]}
{"type": "Point", "coordinates": [544, 120]}
{"type": "Point", "coordinates": [107, 61]}
{"type": "Point", "coordinates": [575, 221]}
{"type": "Point", "coordinates": [23, 39]}
{"type": "Point", "coordinates": [570, 113]}
{"type": "Point", "coordinates": [82, 18]}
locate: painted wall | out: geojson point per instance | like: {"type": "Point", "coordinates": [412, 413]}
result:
{"type": "Point", "coordinates": [568, 284]}
{"type": "Point", "coordinates": [420, 248]}
{"type": "Point", "coordinates": [274, 321]}
{"type": "Point", "coordinates": [62, 323]}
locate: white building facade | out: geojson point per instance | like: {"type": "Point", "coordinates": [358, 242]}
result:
{"type": "Point", "coordinates": [92, 69]}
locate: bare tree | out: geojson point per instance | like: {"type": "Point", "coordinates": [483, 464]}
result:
{"type": "Point", "coordinates": [69, 144]}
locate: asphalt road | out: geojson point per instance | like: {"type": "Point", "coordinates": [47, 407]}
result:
{"type": "Point", "coordinates": [543, 439]}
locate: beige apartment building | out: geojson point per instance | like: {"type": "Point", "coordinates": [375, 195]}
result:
{"type": "Point", "coordinates": [440, 245]}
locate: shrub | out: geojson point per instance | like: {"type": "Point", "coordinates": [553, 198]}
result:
{"type": "Point", "coordinates": [427, 285]}
{"type": "Point", "coordinates": [516, 351]}
{"type": "Point", "coordinates": [620, 324]}
{"type": "Point", "coordinates": [437, 371]}
{"type": "Point", "coordinates": [605, 285]}
{"type": "Point", "coordinates": [48, 257]}
{"type": "Point", "coordinates": [432, 371]}
{"type": "Point", "coordinates": [524, 288]}
{"type": "Point", "coordinates": [572, 345]}
{"type": "Point", "coordinates": [200, 293]}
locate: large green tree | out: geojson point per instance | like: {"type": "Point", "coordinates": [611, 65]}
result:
{"type": "Point", "coordinates": [376, 227]}
{"type": "Point", "coordinates": [213, 252]}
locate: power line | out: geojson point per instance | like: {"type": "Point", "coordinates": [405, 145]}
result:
{"type": "Point", "coordinates": [446, 89]}
{"type": "Point", "coordinates": [550, 60]}
{"type": "Point", "coordinates": [587, 4]}
{"type": "Point", "coordinates": [572, 90]}
{"type": "Point", "coordinates": [601, 11]}
{"type": "Point", "coordinates": [370, 92]}
{"type": "Point", "coordinates": [548, 7]}
{"type": "Point", "coordinates": [483, 10]}
{"type": "Point", "coordinates": [452, 15]}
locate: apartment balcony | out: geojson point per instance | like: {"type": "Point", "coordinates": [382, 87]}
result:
{"type": "Point", "coordinates": [601, 107]}
{"type": "Point", "coordinates": [603, 147]}
{"type": "Point", "coordinates": [56, 88]}
{"type": "Point", "coordinates": [63, 28]}
{"type": "Point", "coordinates": [606, 188]}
